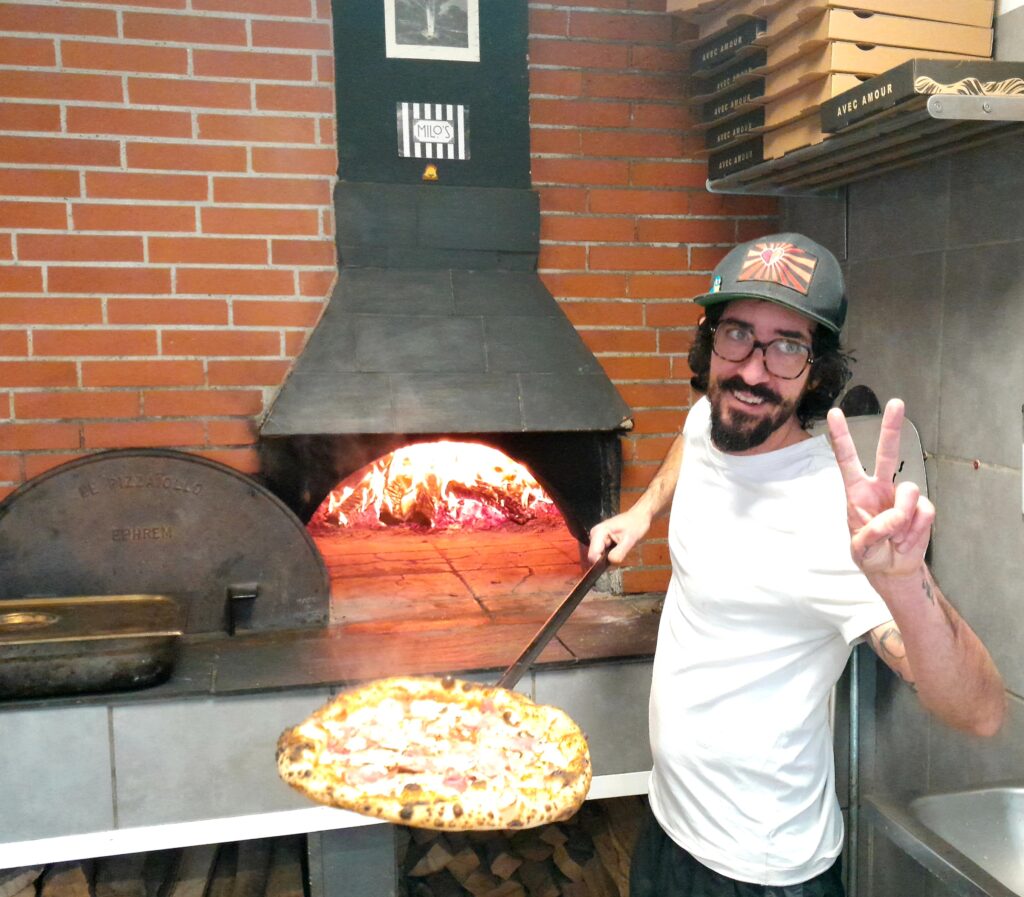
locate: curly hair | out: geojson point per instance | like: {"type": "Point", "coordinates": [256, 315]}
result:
{"type": "Point", "coordinates": [830, 369]}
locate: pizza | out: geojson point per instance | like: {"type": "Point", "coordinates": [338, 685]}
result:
{"type": "Point", "coordinates": [439, 753]}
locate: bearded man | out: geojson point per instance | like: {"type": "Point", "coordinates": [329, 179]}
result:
{"type": "Point", "coordinates": [785, 554]}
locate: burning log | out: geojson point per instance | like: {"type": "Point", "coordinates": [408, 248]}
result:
{"type": "Point", "coordinates": [437, 485]}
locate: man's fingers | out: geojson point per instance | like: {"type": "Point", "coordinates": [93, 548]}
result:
{"type": "Point", "coordinates": [600, 539]}
{"type": "Point", "coordinates": [920, 528]}
{"type": "Point", "coordinates": [618, 554]}
{"type": "Point", "coordinates": [887, 456]}
{"type": "Point", "coordinates": [844, 449]}
{"type": "Point", "coordinates": [887, 526]}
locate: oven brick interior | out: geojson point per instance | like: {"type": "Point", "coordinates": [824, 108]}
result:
{"type": "Point", "coordinates": [166, 243]}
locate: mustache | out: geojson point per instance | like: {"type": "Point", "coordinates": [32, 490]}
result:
{"type": "Point", "coordinates": [737, 383]}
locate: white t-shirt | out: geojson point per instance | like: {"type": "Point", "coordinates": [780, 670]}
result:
{"type": "Point", "coordinates": [763, 607]}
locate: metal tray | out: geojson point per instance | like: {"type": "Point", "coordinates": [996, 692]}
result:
{"type": "Point", "coordinates": [67, 646]}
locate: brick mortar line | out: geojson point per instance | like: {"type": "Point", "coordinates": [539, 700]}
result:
{"type": "Point", "coordinates": [129, 7]}
{"type": "Point", "coordinates": [65, 102]}
{"type": "Point", "coordinates": [174, 172]}
{"type": "Point", "coordinates": [120, 202]}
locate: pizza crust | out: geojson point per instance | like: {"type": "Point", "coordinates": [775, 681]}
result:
{"type": "Point", "coordinates": [439, 753]}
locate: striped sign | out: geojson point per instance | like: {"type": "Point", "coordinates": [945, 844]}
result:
{"type": "Point", "coordinates": [433, 131]}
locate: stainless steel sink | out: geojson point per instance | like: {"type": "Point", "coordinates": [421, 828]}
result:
{"type": "Point", "coordinates": [985, 824]}
{"type": "Point", "coordinates": [973, 840]}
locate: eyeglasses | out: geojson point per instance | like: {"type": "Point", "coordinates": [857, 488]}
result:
{"type": "Point", "coordinates": [784, 358]}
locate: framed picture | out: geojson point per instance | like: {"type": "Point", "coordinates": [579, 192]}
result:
{"type": "Point", "coordinates": [433, 29]}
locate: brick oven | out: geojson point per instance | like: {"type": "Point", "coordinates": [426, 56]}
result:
{"type": "Point", "coordinates": [169, 246]}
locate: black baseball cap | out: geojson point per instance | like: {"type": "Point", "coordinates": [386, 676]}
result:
{"type": "Point", "coordinates": [787, 269]}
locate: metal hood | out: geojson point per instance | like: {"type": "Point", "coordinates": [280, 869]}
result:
{"type": "Point", "coordinates": [439, 323]}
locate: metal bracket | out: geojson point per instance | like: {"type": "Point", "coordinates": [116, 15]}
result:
{"type": "Point", "coordinates": [959, 107]}
{"type": "Point", "coordinates": [758, 188]}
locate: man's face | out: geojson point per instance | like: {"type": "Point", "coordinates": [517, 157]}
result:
{"type": "Point", "coordinates": [752, 410]}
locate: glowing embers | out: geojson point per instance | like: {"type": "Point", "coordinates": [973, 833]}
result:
{"type": "Point", "coordinates": [438, 485]}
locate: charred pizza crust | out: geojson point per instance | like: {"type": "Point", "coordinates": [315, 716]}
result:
{"type": "Point", "coordinates": [439, 753]}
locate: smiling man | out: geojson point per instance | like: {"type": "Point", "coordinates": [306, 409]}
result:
{"type": "Point", "coordinates": [784, 555]}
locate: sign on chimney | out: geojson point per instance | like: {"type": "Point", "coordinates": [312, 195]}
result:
{"type": "Point", "coordinates": [433, 131]}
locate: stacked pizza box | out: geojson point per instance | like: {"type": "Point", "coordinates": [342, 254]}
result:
{"type": "Point", "coordinates": [760, 70]}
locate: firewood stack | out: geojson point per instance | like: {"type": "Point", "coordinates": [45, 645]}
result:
{"type": "Point", "coordinates": [258, 868]}
{"type": "Point", "coordinates": [586, 856]}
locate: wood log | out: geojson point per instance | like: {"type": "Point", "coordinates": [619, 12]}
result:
{"type": "Point", "coordinates": [158, 871]}
{"type": "Point", "coordinates": [14, 881]}
{"type": "Point", "coordinates": [479, 883]}
{"type": "Point", "coordinates": [443, 884]}
{"type": "Point", "coordinates": [507, 888]}
{"type": "Point", "coordinates": [599, 883]}
{"type": "Point", "coordinates": [195, 867]}
{"type": "Point", "coordinates": [614, 859]}
{"type": "Point", "coordinates": [504, 864]}
{"type": "Point", "coordinates": [528, 845]}
{"type": "Point", "coordinates": [463, 863]}
{"type": "Point", "coordinates": [553, 835]}
{"type": "Point", "coordinates": [222, 879]}
{"type": "Point", "coordinates": [538, 879]}
{"type": "Point", "coordinates": [624, 817]}
{"type": "Point", "coordinates": [434, 860]}
{"type": "Point", "coordinates": [284, 878]}
{"type": "Point", "coordinates": [121, 876]}
{"type": "Point", "coordinates": [252, 867]}
{"type": "Point", "coordinates": [73, 879]}
{"type": "Point", "coordinates": [566, 864]}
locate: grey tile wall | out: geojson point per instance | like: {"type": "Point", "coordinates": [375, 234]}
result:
{"type": "Point", "coordinates": [979, 556]}
{"type": "Point", "coordinates": [222, 762]}
{"type": "Point", "coordinates": [610, 704]}
{"type": "Point", "coordinates": [934, 258]}
{"type": "Point", "coordinates": [56, 775]}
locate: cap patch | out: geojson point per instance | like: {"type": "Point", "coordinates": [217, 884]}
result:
{"type": "Point", "coordinates": [716, 284]}
{"type": "Point", "coordinates": [781, 263]}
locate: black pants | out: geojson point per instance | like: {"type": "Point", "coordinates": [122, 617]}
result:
{"type": "Point", "coordinates": [661, 868]}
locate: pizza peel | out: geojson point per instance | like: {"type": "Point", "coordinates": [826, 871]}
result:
{"type": "Point", "coordinates": [521, 664]}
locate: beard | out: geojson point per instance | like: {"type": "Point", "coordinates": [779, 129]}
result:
{"type": "Point", "coordinates": [742, 431]}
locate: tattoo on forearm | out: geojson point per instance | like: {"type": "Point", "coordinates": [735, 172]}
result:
{"type": "Point", "coordinates": [929, 594]}
{"type": "Point", "coordinates": [889, 646]}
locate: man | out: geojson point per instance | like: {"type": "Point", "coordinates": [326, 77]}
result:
{"type": "Point", "coordinates": [784, 555]}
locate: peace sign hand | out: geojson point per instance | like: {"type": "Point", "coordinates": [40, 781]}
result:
{"type": "Point", "coordinates": [890, 525]}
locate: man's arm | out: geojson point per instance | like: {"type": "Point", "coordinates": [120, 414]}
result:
{"type": "Point", "coordinates": [928, 644]}
{"type": "Point", "coordinates": [941, 657]}
{"type": "Point", "coordinates": [626, 529]}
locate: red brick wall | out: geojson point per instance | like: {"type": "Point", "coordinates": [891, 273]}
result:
{"type": "Point", "coordinates": [628, 230]}
{"type": "Point", "coordinates": [166, 227]}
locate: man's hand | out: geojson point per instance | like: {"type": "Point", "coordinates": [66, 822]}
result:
{"type": "Point", "coordinates": [623, 531]}
{"type": "Point", "coordinates": [890, 525]}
